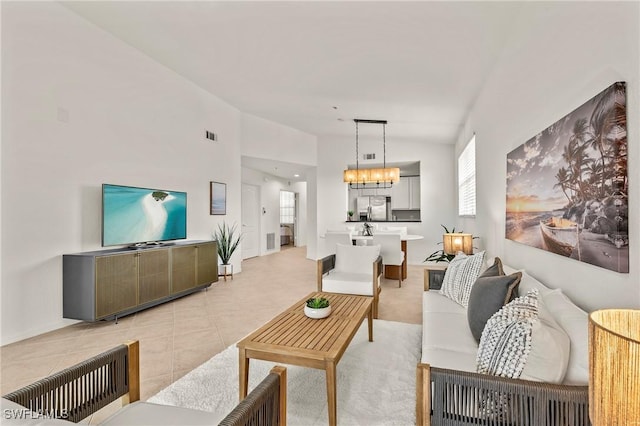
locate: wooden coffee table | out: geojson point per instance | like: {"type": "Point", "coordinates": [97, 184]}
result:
{"type": "Point", "coordinates": [292, 338]}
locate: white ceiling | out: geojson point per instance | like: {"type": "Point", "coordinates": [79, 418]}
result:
{"type": "Point", "coordinates": [315, 66]}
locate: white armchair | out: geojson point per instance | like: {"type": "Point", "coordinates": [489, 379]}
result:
{"type": "Point", "coordinates": [391, 252]}
{"type": "Point", "coordinates": [352, 270]}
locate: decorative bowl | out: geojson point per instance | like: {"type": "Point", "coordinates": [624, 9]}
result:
{"type": "Point", "coordinates": [317, 313]}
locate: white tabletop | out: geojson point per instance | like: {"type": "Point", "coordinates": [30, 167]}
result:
{"type": "Point", "coordinates": [408, 237]}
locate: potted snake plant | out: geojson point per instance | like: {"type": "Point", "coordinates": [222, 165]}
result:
{"type": "Point", "coordinates": [228, 239]}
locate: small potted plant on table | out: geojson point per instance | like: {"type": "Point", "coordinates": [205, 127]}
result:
{"type": "Point", "coordinates": [350, 215]}
{"type": "Point", "coordinates": [317, 307]}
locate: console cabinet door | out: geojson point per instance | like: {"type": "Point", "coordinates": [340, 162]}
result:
{"type": "Point", "coordinates": [207, 263]}
{"type": "Point", "coordinates": [116, 284]}
{"type": "Point", "coordinates": [183, 268]}
{"type": "Point", "coordinates": [153, 276]}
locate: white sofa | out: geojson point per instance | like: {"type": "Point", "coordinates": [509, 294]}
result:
{"type": "Point", "coordinates": [448, 366]}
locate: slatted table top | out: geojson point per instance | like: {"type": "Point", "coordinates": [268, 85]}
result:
{"type": "Point", "coordinates": [293, 338]}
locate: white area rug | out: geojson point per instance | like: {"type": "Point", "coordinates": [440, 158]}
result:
{"type": "Point", "coordinates": [375, 381]}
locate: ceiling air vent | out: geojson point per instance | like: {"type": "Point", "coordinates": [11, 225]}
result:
{"type": "Point", "coordinates": [369, 156]}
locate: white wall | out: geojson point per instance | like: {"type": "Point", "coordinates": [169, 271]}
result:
{"type": "Point", "coordinates": [81, 108]}
{"type": "Point", "coordinates": [560, 56]}
{"type": "Point", "coordinates": [265, 139]}
{"type": "Point", "coordinates": [437, 188]}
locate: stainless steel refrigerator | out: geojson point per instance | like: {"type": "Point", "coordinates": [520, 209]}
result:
{"type": "Point", "coordinates": [373, 207]}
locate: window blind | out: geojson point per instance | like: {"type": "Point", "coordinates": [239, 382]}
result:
{"type": "Point", "coordinates": [467, 180]}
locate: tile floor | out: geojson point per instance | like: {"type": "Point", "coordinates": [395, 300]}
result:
{"type": "Point", "coordinates": [178, 336]}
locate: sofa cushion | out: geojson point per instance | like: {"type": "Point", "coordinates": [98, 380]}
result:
{"type": "Point", "coordinates": [527, 282]}
{"type": "Point", "coordinates": [348, 283]}
{"type": "Point", "coordinates": [488, 295]}
{"type": "Point", "coordinates": [433, 301]}
{"type": "Point", "coordinates": [508, 270]}
{"type": "Point", "coordinates": [461, 273]}
{"type": "Point", "coordinates": [146, 413]}
{"type": "Point", "coordinates": [440, 346]}
{"type": "Point", "coordinates": [435, 335]}
{"type": "Point", "coordinates": [575, 322]}
{"type": "Point", "coordinates": [357, 259]}
{"type": "Point", "coordinates": [550, 348]}
{"type": "Point", "coordinates": [506, 339]}
{"type": "Point", "coordinates": [445, 358]}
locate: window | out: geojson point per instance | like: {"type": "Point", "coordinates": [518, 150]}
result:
{"type": "Point", "coordinates": [467, 180]}
{"type": "Point", "coordinates": [287, 206]}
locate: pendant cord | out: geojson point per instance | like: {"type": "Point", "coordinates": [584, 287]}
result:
{"type": "Point", "coordinates": [384, 145]}
{"type": "Point", "coordinates": [384, 154]}
{"type": "Point", "coordinates": [357, 156]}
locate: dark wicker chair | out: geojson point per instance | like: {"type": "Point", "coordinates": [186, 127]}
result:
{"type": "Point", "coordinates": [79, 391]}
{"type": "Point", "coordinates": [265, 405]}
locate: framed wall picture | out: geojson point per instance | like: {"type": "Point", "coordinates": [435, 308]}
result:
{"type": "Point", "coordinates": [567, 187]}
{"type": "Point", "coordinates": [218, 198]}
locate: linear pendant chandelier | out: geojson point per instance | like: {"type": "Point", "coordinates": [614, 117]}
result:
{"type": "Point", "coordinates": [385, 175]}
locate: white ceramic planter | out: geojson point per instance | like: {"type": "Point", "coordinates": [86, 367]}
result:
{"type": "Point", "coordinates": [317, 313]}
{"type": "Point", "coordinates": [225, 271]}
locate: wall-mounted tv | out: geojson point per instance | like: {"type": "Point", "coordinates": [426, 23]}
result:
{"type": "Point", "coordinates": [132, 215]}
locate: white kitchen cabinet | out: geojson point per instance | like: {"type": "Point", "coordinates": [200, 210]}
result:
{"type": "Point", "coordinates": [414, 192]}
{"type": "Point", "coordinates": [405, 195]}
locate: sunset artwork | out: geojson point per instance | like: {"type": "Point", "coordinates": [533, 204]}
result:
{"type": "Point", "coordinates": [567, 187]}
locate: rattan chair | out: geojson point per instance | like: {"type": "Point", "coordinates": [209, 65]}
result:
{"type": "Point", "coordinates": [79, 391]}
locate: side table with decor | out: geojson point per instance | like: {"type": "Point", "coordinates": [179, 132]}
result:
{"type": "Point", "coordinates": [433, 276]}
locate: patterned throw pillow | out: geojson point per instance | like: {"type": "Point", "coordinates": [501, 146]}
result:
{"type": "Point", "coordinates": [506, 339]}
{"type": "Point", "coordinates": [461, 273]}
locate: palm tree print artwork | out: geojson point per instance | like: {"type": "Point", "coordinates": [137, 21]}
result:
{"type": "Point", "coordinates": [567, 186]}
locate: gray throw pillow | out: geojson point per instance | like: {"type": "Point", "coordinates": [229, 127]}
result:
{"type": "Point", "coordinates": [494, 270]}
{"type": "Point", "coordinates": [488, 295]}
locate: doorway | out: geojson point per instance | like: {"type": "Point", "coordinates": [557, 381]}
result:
{"type": "Point", "coordinates": [288, 219]}
{"type": "Point", "coordinates": [250, 221]}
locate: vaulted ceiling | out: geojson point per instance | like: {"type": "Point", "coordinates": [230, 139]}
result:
{"type": "Point", "coordinates": [315, 66]}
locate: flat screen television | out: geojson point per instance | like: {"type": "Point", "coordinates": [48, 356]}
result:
{"type": "Point", "coordinates": [132, 215]}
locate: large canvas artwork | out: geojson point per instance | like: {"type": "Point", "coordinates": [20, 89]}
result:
{"type": "Point", "coordinates": [567, 189]}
